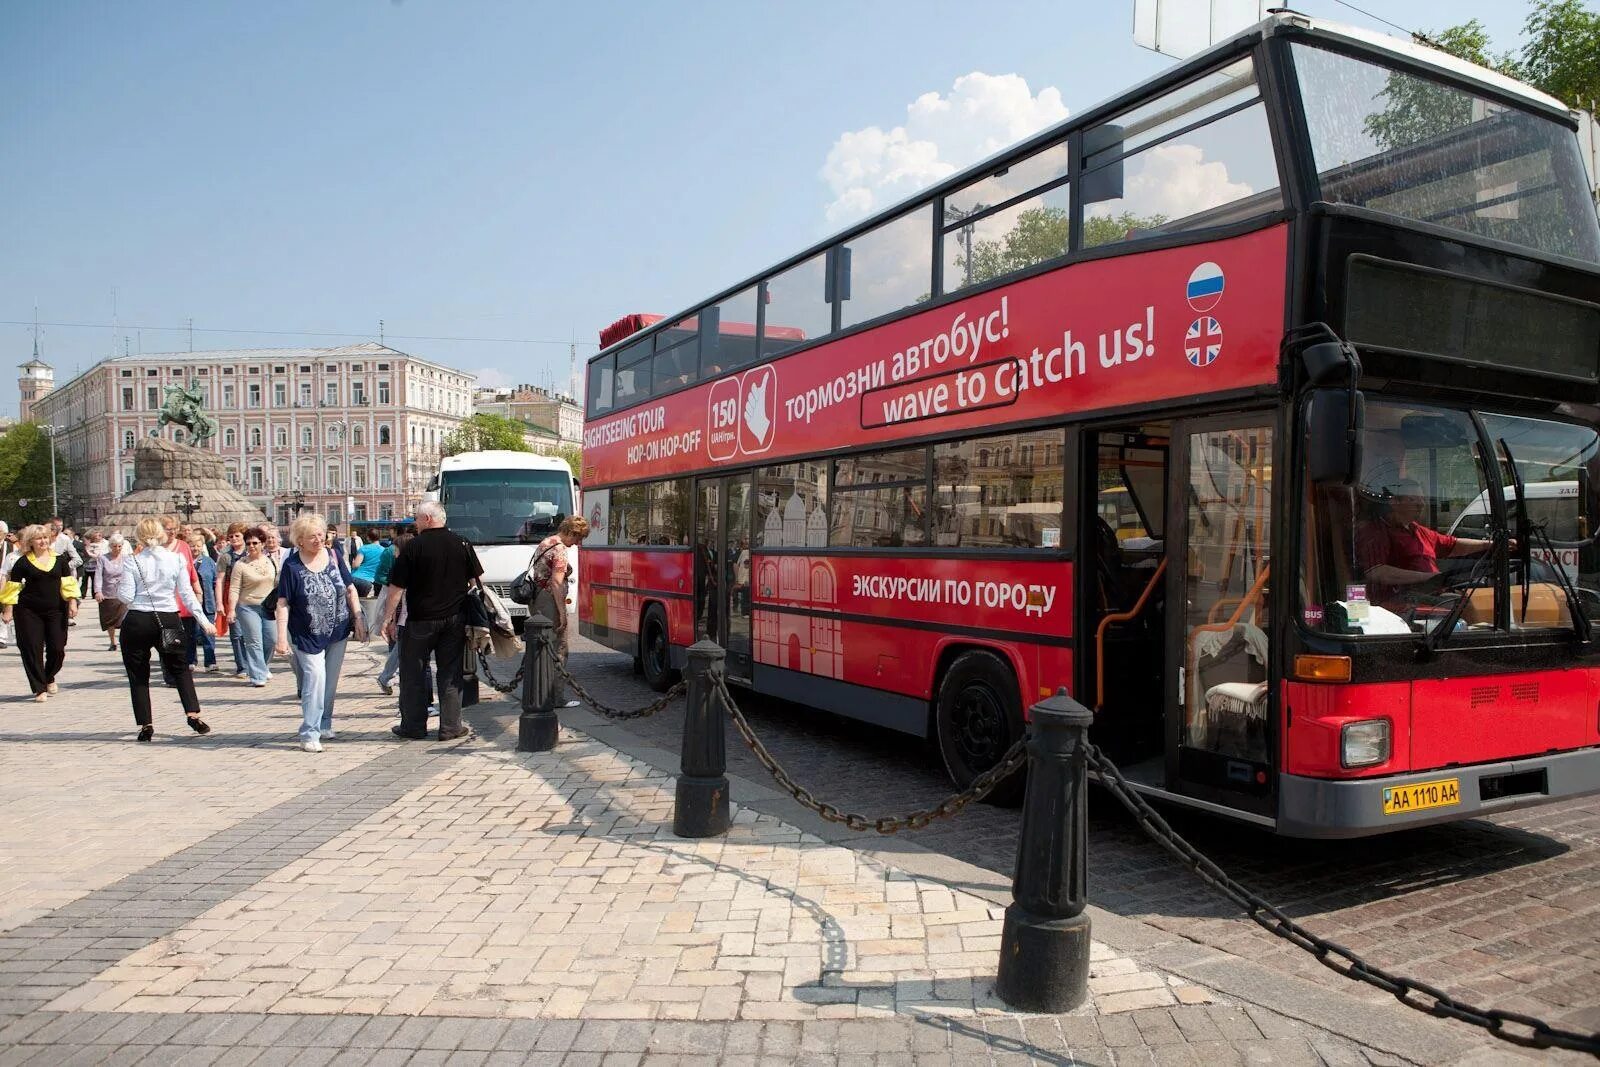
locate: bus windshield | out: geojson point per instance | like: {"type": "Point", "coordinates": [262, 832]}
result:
{"type": "Point", "coordinates": [1393, 554]}
{"type": "Point", "coordinates": [1396, 142]}
{"type": "Point", "coordinates": [493, 506]}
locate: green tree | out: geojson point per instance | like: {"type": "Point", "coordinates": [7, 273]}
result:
{"type": "Point", "coordinates": [25, 474]}
{"type": "Point", "coordinates": [574, 457]}
{"type": "Point", "coordinates": [484, 431]}
{"type": "Point", "coordinates": [1561, 52]}
{"type": "Point", "coordinates": [1560, 55]}
{"type": "Point", "coordinates": [1041, 233]}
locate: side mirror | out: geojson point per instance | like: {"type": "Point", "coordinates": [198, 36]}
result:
{"type": "Point", "coordinates": [1334, 420]}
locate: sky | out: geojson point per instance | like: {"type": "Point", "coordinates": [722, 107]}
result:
{"type": "Point", "coordinates": [519, 173]}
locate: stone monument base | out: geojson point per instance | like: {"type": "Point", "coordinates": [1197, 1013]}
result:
{"type": "Point", "coordinates": [162, 468]}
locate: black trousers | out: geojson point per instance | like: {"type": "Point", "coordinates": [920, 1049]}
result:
{"type": "Point", "coordinates": [42, 640]}
{"type": "Point", "coordinates": [446, 641]}
{"type": "Point", "coordinates": [141, 634]}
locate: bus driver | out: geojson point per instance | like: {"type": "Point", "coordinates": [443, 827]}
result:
{"type": "Point", "coordinates": [1395, 550]}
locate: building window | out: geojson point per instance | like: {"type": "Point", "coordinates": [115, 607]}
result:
{"type": "Point", "coordinates": [331, 394]}
{"type": "Point", "coordinates": [334, 481]}
{"type": "Point", "coordinates": [383, 434]}
{"type": "Point", "coordinates": [280, 394]}
{"type": "Point", "coordinates": [127, 478]}
{"type": "Point", "coordinates": [227, 395]}
{"type": "Point", "coordinates": [331, 435]}
{"type": "Point", "coordinates": [358, 393]}
{"type": "Point", "coordinates": [358, 477]}
{"type": "Point", "coordinates": [280, 476]}
{"type": "Point", "coordinates": [280, 436]}
{"type": "Point", "coordinates": [305, 394]}
{"type": "Point", "coordinates": [127, 440]}
{"type": "Point", "coordinates": [386, 512]}
{"type": "Point", "coordinates": [255, 437]}
{"type": "Point", "coordinates": [383, 391]}
{"type": "Point", "coordinates": [230, 438]}
{"type": "Point", "coordinates": [255, 479]}
{"type": "Point", "coordinates": [385, 476]}
{"type": "Point", "coordinates": [358, 436]}
{"type": "Point", "coordinates": [127, 374]}
{"type": "Point", "coordinates": [127, 398]}
{"type": "Point", "coordinates": [152, 397]}
{"type": "Point", "coordinates": [383, 366]}
{"type": "Point", "coordinates": [360, 514]}
{"type": "Point", "coordinates": [306, 440]}
{"type": "Point", "coordinates": [305, 368]}
{"type": "Point", "coordinates": [255, 394]}
{"type": "Point", "coordinates": [308, 476]}
{"type": "Point", "coordinates": [331, 368]}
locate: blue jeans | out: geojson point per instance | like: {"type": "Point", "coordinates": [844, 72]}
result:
{"type": "Point", "coordinates": [319, 682]}
{"type": "Point", "coordinates": [258, 632]}
{"type": "Point", "coordinates": [236, 642]}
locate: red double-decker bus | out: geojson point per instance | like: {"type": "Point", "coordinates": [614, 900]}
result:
{"type": "Point", "coordinates": [1258, 406]}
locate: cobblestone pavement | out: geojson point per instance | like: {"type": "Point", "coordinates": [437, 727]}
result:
{"type": "Point", "coordinates": [230, 899]}
{"type": "Point", "coordinates": [1500, 911]}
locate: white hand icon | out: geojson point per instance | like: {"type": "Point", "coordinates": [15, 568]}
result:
{"type": "Point", "coordinates": [755, 410]}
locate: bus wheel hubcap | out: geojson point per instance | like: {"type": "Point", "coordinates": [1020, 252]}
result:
{"type": "Point", "coordinates": [979, 726]}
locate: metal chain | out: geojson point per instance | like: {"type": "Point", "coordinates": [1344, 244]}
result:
{"type": "Point", "coordinates": [516, 680]}
{"type": "Point", "coordinates": [617, 713]}
{"type": "Point", "coordinates": [1425, 998]}
{"type": "Point", "coordinates": [1015, 757]}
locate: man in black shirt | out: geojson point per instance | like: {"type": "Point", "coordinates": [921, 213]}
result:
{"type": "Point", "coordinates": [432, 572]}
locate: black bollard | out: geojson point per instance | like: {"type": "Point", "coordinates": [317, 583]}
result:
{"type": "Point", "coordinates": [538, 727]}
{"type": "Point", "coordinates": [1044, 946]}
{"type": "Point", "coordinates": [701, 806]}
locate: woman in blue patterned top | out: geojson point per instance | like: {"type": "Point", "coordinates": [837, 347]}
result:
{"type": "Point", "coordinates": [318, 611]}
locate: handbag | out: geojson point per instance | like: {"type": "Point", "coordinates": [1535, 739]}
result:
{"type": "Point", "coordinates": [269, 603]}
{"type": "Point", "coordinates": [525, 588]}
{"type": "Point", "coordinates": [475, 609]}
{"type": "Point", "coordinates": [173, 639]}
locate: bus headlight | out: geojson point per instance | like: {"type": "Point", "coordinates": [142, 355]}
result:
{"type": "Point", "coordinates": [1364, 744]}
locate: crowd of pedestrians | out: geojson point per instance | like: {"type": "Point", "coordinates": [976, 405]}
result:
{"type": "Point", "coordinates": [167, 589]}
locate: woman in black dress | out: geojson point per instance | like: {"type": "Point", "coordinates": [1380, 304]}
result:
{"type": "Point", "coordinates": [40, 596]}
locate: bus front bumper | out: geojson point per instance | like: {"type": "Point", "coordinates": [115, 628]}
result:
{"type": "Point", "coordinates": [1321, 807]}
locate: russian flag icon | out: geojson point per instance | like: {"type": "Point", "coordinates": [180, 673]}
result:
{"type": "Point", "coordinates": [1204, 291]}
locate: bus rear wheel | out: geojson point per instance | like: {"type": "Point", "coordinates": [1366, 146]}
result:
{"type": "Point", "coordinates": [655, 651]}
{"type": "Point", "coordinates": [977, 718]}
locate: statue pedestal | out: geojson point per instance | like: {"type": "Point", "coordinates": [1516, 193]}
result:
{"type": "Point", "coordinates": [162, 468]}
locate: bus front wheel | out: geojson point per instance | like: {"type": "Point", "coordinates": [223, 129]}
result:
{"type": "Point", "coordinates": [978, 717]}
{"type": "Point", "coordinates": [655, 651]}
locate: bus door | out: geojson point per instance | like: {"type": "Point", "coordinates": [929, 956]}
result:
{"type": "Point", "coordinates": [722, 568]}
{"type": "Point", "coordinates": [1218, 577]}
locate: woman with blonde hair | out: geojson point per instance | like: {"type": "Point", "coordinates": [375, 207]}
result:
{"type": "Point", "coordinates": [40, 596]}
{"type": "Point", "coordinates": [318, 611]}
{"type": "Point", "coordinates": [154, 583]}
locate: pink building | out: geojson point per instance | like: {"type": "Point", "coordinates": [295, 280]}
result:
{"type": "Point", "coordinates": [354, 430]}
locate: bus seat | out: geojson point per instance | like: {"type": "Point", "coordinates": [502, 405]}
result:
{"type": "Point", "coordinates": [1108, 566]}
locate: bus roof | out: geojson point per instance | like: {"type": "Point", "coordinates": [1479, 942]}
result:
{"type": "Point", "coordinates": [1280, 22]}
{"type": "Point", "coordinates": [629, 325]}
{"type": "Point", "coordinates": [495, 458]}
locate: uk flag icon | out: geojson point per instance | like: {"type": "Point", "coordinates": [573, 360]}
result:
{"type": "Point", "coordinates": [1202, 344]}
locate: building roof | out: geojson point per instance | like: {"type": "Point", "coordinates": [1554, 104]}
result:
{"type": "Point", "coordinates": [34, 363]}
{"type": "Point", "coordinates": [287, 355]}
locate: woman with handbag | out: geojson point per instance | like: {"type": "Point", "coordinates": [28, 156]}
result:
{"type": "Point", "coordinates": [252, 581]}
{"type": "Point", "coordinates": [318, 610]}
{"type": "Point", "coordinates": [548, 571]}
{"type": "Point", "coordinates": [40, 596]}
{"type": "Point", "coordinates": [154, 582]}
{"type": "Point", "coordinates": [112, 563]}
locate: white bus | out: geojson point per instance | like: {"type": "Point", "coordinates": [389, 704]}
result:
{"type": "Point", "coordinates": [505, 503]}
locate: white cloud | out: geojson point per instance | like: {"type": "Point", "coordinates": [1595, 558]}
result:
{"type": "Point", "coordinates": [870, 168]}
{"type": "Point", "coordinates": [1176, 181]}
{"type": "Point", "coordinates": [492, 378]}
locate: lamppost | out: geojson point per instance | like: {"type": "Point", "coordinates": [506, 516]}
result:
{"type": "Point", "coordinates": [187, 502]}
{"type": "Point", "coordinates": [955, 214]}
{"type": "Point", "coordinates": [292, 501]}
{"type": "Point", "coordinates": [51, 431]}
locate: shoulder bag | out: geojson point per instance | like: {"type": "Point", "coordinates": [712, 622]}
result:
{"type": "Point", "coordinates": [173, 639]}
{"type": "Point", "coordinates": [269, 603]}
{"type": "Point", "coordinates": [524, 587]}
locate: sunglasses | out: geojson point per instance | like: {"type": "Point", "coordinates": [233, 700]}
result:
{"type": "Point", "coordinates": [252, 542]}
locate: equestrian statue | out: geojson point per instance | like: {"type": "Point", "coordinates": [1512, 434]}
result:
{"type": "Point", "coordinates": [183, 407]}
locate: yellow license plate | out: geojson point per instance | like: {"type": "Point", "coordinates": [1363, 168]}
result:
{"type": "Point", "coordinates": [1407, 798]}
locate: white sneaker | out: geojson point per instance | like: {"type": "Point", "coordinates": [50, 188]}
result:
{"type": "Point", "coordinates": [311, 744]}
{"type": "Point", "coordinates": [573, 704]}
{"type": "Point", "coordinates": [329, 735]}
{"type": "Point", "coordinates": [433, 711]}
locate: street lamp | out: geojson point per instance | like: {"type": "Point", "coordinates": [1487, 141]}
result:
{"type": "Point", "coordinates": [292, 501]}
{"type": "Point", "coordinates": [187, 502]}
{"type": "Point", "coordinates": [51, 431]}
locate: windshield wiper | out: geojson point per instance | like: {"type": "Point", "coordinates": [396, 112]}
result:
{"type": "Point", "coordinates": [1481, 571]}
{"type": "Point", "coordinates": [1525, 534]}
